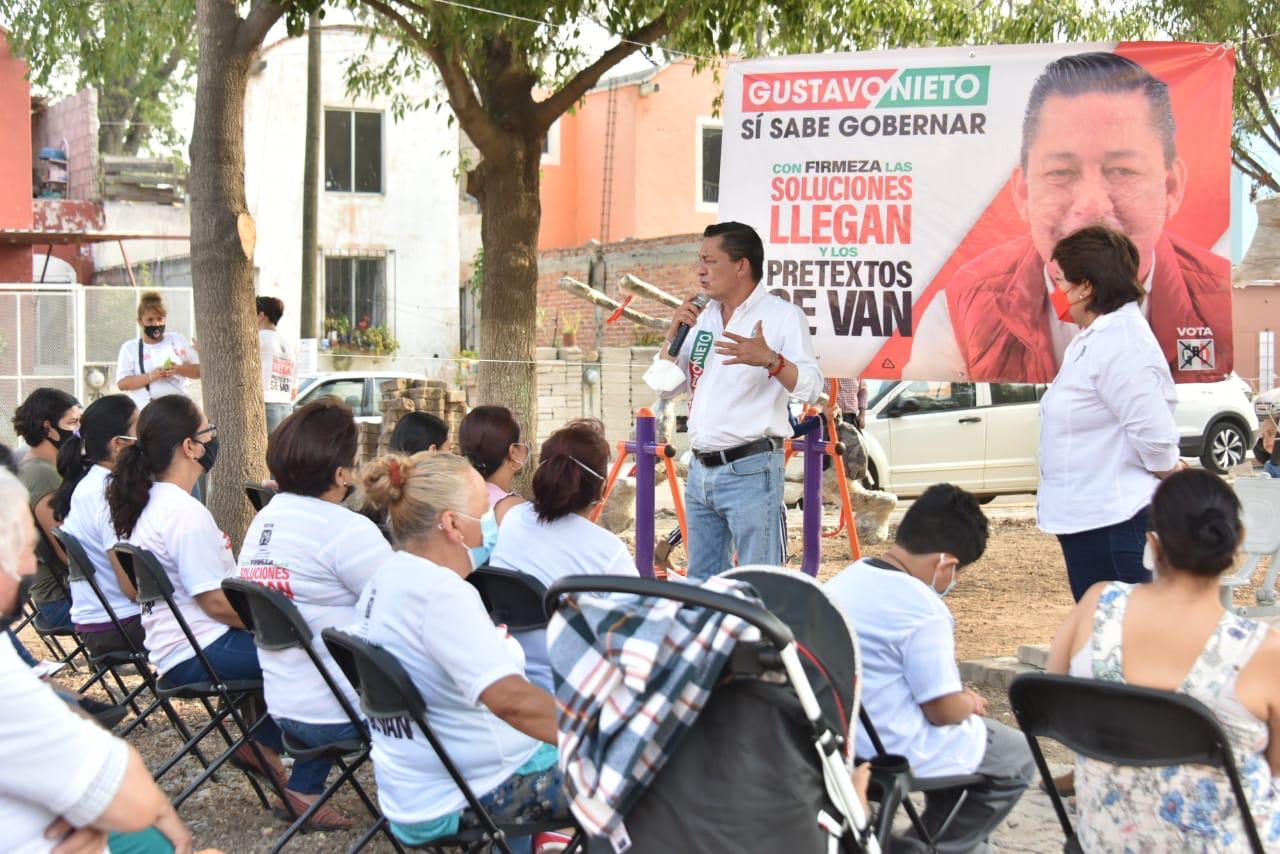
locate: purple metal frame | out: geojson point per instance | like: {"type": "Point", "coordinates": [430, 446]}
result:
{"type": "Point", "coordinates": [812, 448]}
{"type": "Point", "coordinates": [645, 448]}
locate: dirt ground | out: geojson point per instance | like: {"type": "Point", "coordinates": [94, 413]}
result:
{"type": "Point", "coordinates": [1017, 593]}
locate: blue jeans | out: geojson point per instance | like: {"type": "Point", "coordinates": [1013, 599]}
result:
{"type": "Point", "coordinates": [55, 614]}
{"type": "Point", "coordinates": [233, 656]}
{"type": "Point", "coordinates": [735, 508]}
{"type": "Point", "coordinates": [1272, 469]}
{"type": "Point", "coordinates": [308, 777]}
{"type": "Point", "coordinates": [23, 652]}
{"type": "Point", "coordinates": [1111, 553]}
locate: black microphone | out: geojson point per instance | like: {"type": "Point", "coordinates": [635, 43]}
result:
{"type": "Point", "coordinates": [682, 331]}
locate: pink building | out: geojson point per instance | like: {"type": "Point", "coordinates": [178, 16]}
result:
{"type": "Point", "coordinates": [639, 158]}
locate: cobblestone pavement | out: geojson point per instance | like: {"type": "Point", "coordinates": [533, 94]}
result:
{"type": "Point", "coordinates": [1032, 826]}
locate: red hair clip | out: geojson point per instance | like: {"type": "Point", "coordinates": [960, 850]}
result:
{"type": "Point", "coordinates": [393, 469]}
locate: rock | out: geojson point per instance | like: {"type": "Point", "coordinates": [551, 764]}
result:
{"type": "Point", "coordinates": [871, 509]}
{"type": "Point", "coordinates": [620, 510]}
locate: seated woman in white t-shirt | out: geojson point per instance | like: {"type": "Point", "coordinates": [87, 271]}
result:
{"type": "Point", "coordinates": [553, 536]}
{"type": "Point", "coordinates": [499, 729]}
{"type": "Point", "coordinates": [320, 554]}
{"type": "Point", "coordinates": [489, 438]}
{"type": "Point", "coordinates": [85, 461]}
{"type": "Point", "coordinates": [66, 784]}
{"type": "Point", "coordinates": [149, 496]}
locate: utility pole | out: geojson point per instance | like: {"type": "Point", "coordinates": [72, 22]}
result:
{"type": "Point", "coordinates": [311, 183]}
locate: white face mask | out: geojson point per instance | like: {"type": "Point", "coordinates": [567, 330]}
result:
{"type": "Point", "coordinates": [951, 585]}
{"type": "Point", "coordinates": [1149, 557]}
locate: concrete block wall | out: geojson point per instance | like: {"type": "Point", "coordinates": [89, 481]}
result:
{"type": "Point", "coordinates": [563, 393]}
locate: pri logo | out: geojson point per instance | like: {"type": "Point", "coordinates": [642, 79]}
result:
{"type": "Point", "coordinates": [1195, 354]}
{"type": "Point", "coordinates": [265, 538]}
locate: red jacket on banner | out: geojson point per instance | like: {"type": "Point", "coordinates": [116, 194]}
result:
{"type": "Point", "coordinates": [999, 310]}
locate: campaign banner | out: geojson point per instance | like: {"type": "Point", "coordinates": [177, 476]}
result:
{"type": "Point", "coordinates": [909, 200]}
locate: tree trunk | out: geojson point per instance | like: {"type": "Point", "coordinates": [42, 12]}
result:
{"type": "Point", "coordinates": [222, 265]}
{"type": "Point", "coordinates": [311, 183]}
{"type": "Point", "coordinates": [511, 214]}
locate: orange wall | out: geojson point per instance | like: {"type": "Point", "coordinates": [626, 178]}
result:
{"type": "Point", "coordinates": [15, 162]}
{"type": "Point", "coordinates": [1253, 310]}
{"type": "Point", "coordinates": [654, 163]}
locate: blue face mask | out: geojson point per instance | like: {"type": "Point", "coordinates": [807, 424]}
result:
{"type": "Point", "coordinates": [489, 531]}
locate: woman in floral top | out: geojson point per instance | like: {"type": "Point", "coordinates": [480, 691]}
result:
{"type": "Point", "coordinates": [1173, 634]}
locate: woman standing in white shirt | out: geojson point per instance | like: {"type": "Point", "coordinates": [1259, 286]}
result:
{"type": "Point", "coordinates": [554, 536]}
{"type": "Point", "coordinates": [149, 496]}
{"type": "Point", "coordinates": [158, 362]}
{"type": "Point", "coordinates": [319, 554]}
{"type": "Point", "coordinates": [499, 730]}
{"type": "Point", "coordinates": [1107, 432]}
{"type": "Point", "coordinates": [85, 461]}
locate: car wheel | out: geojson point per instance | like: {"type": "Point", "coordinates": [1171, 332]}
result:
{"type": "Point", "coordinates": [1224, 447]}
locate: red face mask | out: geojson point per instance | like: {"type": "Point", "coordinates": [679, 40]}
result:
{"type": "Point", "coordinates": [1061, 305]}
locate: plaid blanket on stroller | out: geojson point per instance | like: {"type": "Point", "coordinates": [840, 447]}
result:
{"type": "Point", "coordinates": [632, 675]}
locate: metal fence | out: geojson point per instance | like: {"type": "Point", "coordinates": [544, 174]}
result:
{"type": "Point", "coordinates": [69, 337]}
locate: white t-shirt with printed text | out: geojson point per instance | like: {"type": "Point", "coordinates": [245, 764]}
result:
{"type": "Point", "coordinates": [173, 348]}
{"type": "Point", "coordinates": [279, 366]}
{"type": "Point", "coordinates": [320, 555]}
{"type": "Point", "coordinates": [89, 521]}
{"type": "Point", "coordinates": [906, 637]}
{"type": "Point", "coordinates": [435, 625]}
{"type": "Point", "coordinates": [52, 762]}
{"type": "Point", "coordinates": [196, 556]}
{"type": "Point", "coordinates": [571, 545]}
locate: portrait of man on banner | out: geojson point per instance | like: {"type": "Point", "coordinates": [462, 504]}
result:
{"type": "Point", "coordinates": [1099, 146]}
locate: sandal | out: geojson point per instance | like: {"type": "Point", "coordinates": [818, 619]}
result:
{"type": "Point", "coordinates": [245, 759]}
{"type": "Point", "coordinates": [325, 818]}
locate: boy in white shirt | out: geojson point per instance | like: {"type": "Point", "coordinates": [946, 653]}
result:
{"type": "Point", "coordinates": [911, 684]}
{"type": "Point", "coordinates": [279, 363]}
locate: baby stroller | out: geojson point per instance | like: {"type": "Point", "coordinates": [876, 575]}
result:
{"type": "Point", "coordinates": [766, 763]}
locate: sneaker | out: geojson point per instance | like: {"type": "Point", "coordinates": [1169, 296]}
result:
{"type": "Point", "coordinates": [551, 842]}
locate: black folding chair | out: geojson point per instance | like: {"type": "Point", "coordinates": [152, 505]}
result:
{"type": "Point", "coordinates": [277, 625]}
{"type": "Point", "coordinates": [153, 586]}
{"type": "Point", "coordinates": [52, 636]}
{"type": "Point", "coordinates": [80, 568]}
{"type": "Point", "coordinates": [918, 785]}
{"type": "Point", "coordinates": [513, 599]}
{"type": "Point", "coordinates": [1123, 725]}
{"type": "Point", "coordinates": [259, 494]}
{"type": "Point", "coordinates": [387, 692]}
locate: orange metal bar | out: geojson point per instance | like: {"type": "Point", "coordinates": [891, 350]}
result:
{"type": "Point", "coordinates": [677, 499]}
{"type": "Point", "coordinates": [846, 503]}
{"type": "Point", "coordinates": [613, 478]}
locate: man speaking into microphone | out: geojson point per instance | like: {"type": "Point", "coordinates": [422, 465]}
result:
{"type": "Point", "coordinates": [741, 353]}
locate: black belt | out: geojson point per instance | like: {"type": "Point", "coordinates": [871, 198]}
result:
{"type": "Point", "coordinates": [711, 459]}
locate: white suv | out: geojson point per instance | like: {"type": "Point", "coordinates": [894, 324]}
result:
{"type": "Point", "coordinates": [985, 436]}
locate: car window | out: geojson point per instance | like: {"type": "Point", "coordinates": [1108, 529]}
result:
{"type": "Point", "coordinates": [1006, 393]}
{"type": "Point", "coordinates": [349, 391]}
{"type": "Point", "coordinates": [932, 396]}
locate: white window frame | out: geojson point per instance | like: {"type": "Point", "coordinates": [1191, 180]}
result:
{"type": "Point", "coordinates": [382, 150]}
{"type": "Point", "coordinates": [1266, 360]}
{"type": "Point", "coordinates": [704, 122]}
{"type": "Point", "coordinates": [551, 157]}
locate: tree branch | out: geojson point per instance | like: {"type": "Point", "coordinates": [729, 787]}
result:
{"type": "Point", "coordinates": [262, 16]}
{"type": "Point", "coordinates": [1245, 160]}
{"type": "Point", "coordinates": [550, 109]}
{"type": "Point", "coordinates": [477, 123]}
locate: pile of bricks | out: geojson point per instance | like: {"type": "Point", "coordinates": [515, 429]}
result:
{"type": "Point", "coordinates": [559, 378]}
{"type": "Point", "coordinates": [402, 396]}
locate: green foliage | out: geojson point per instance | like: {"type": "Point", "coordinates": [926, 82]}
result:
{"type": "Point", "coordinates": [138, 54]}
{"type": "Point", "coordinates": [1252, 27]}
{"type": "Point", "coordinates": [477, 271]}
